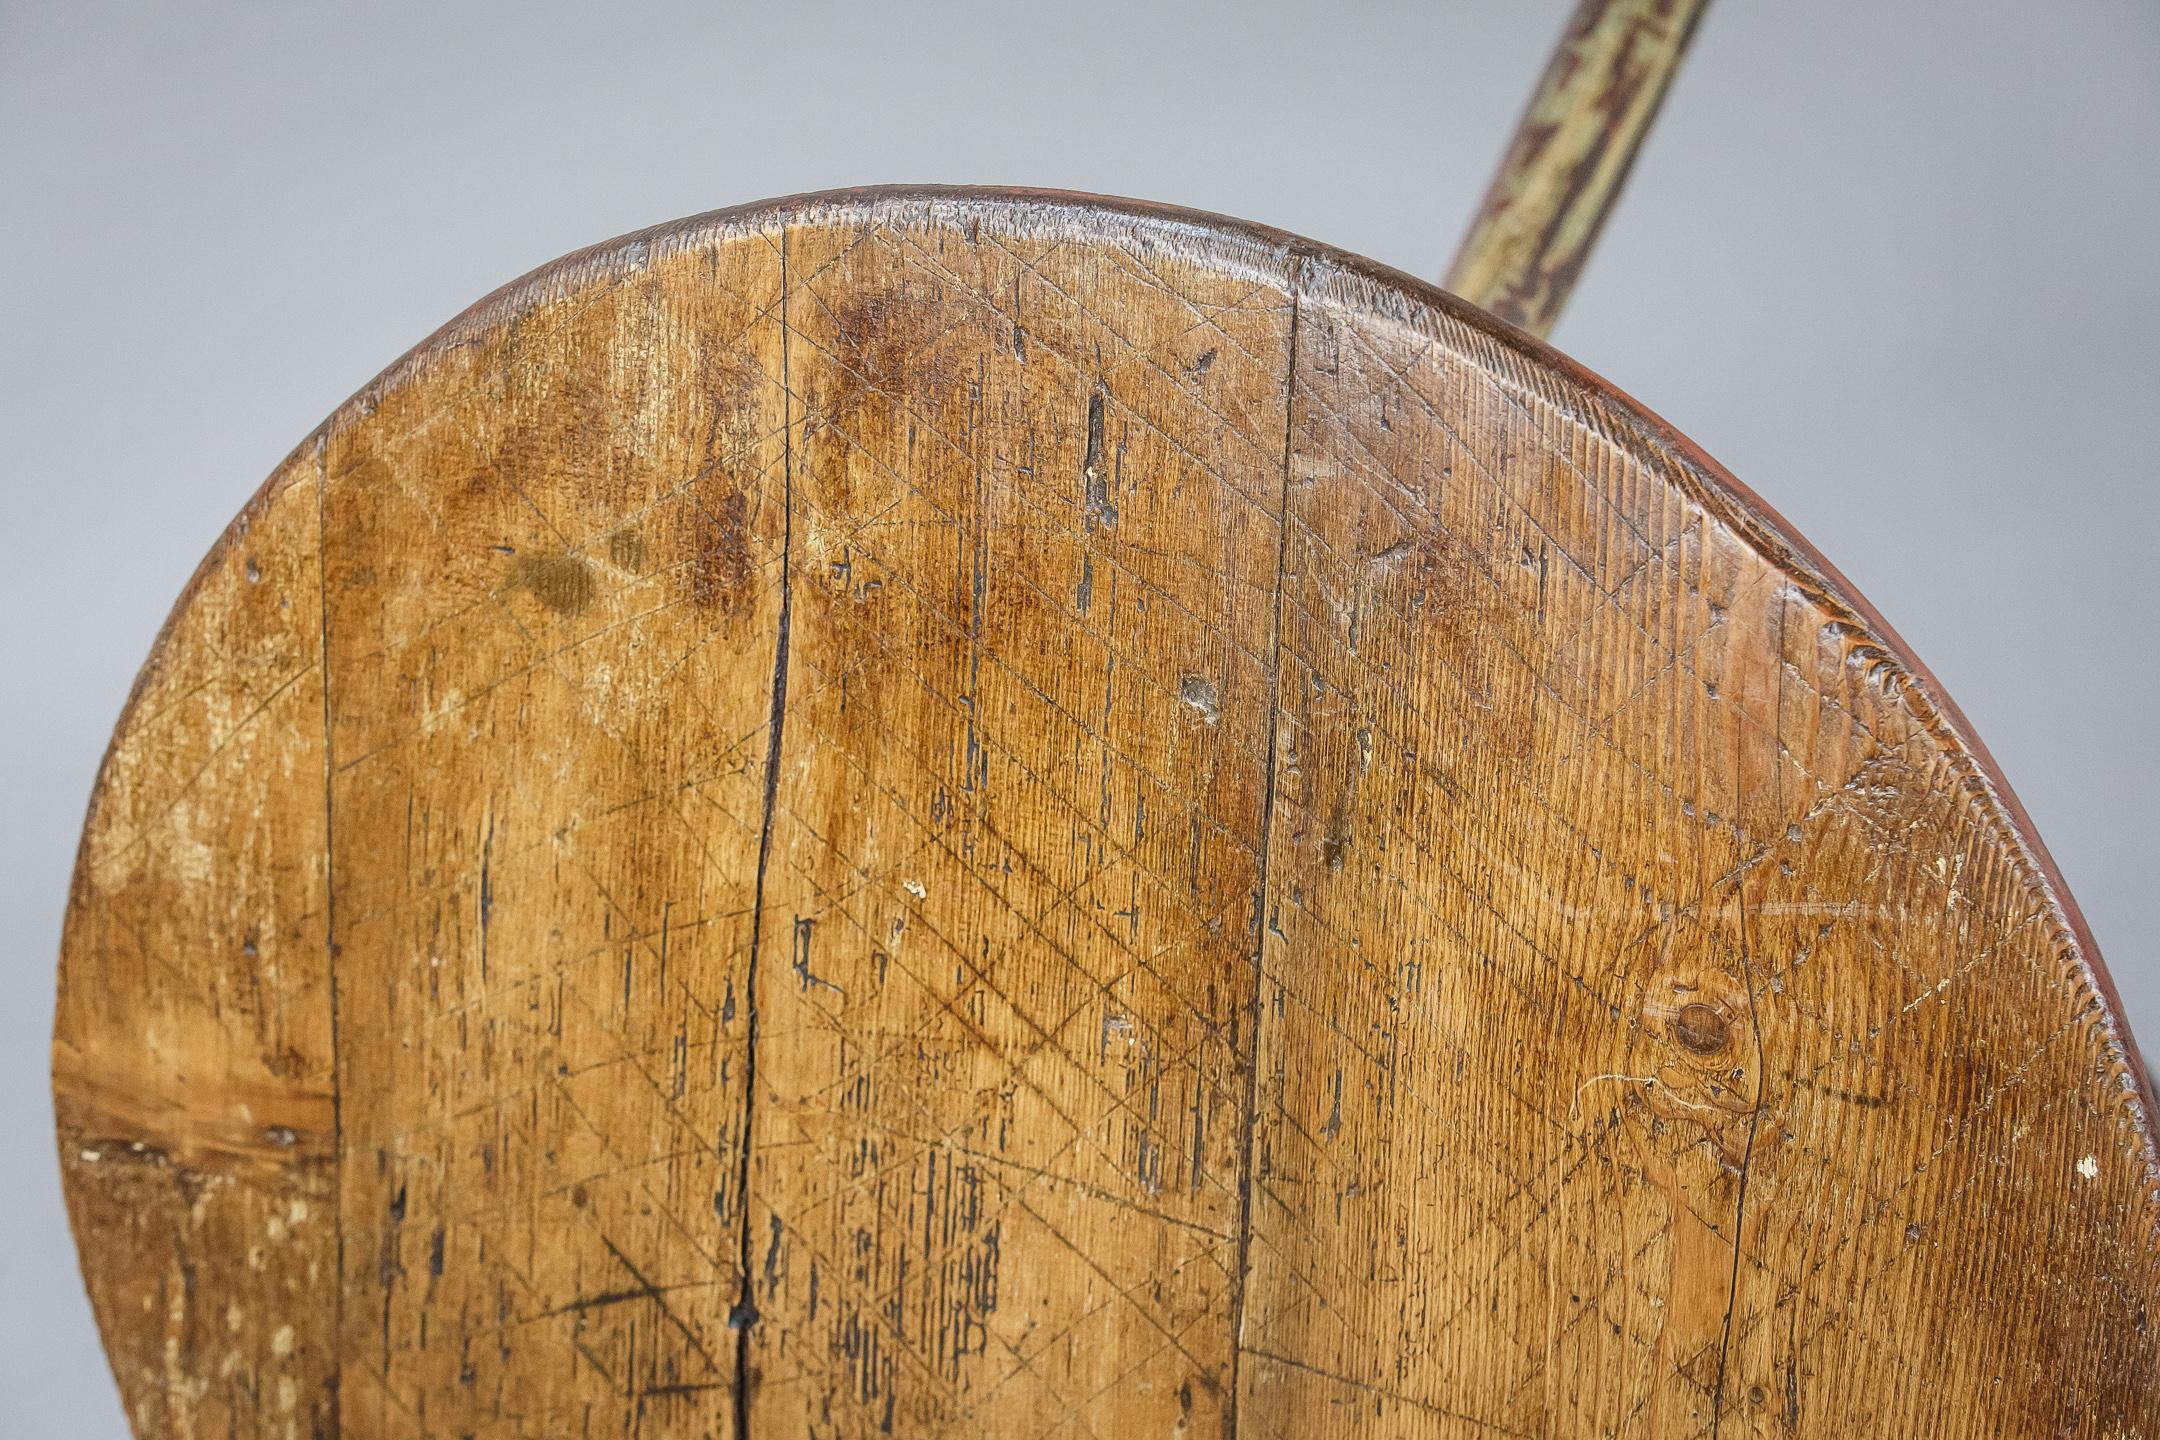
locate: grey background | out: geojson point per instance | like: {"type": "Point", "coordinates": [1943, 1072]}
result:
{"type": "Point", "coordinates": [1891, 261]}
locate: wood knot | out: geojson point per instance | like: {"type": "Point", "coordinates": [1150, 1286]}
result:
{"type": "Point", "coordinates": [1701, 1028]}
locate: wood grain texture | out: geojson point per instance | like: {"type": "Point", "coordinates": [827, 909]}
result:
{"type": "Point", "coordinates": [985, 813]}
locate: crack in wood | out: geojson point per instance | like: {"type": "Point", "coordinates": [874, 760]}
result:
{"type": "Point", "coordinates": [744, 1316]}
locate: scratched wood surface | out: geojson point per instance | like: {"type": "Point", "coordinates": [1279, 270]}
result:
{"type": "Point", "coordinates": [959, 813]}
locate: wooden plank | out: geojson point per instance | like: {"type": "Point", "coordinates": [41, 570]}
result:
{"type": "Point", "coordinates": [192, 1060]}
{"type": "Point", "coordinates": [1576, 1112]}
{"type": "Point", "coordinates": [554, 599]}
{"type": "Point", "coordinates": [1007, 942]}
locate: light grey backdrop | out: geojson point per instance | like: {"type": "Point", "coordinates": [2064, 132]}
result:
{"type": "Point", "coordinates": [1891, 261]}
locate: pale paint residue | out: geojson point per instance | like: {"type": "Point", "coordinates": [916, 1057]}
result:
{"type": "Point", "coordinates": [2089, 1167]}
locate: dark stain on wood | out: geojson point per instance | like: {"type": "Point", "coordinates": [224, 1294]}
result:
{"type": "Point", "coordinates": [626, 549]}
{"type": "Point", "coordinates": [720, 560]}
{"type": "Point", "coordinates": [564, 583]}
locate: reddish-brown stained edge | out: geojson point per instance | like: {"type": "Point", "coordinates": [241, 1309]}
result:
{"type": "Point", "coordinates": [1299, 258]}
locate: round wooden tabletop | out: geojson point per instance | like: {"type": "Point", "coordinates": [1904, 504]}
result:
{"type": "Point", "coordinates": [993, 813]}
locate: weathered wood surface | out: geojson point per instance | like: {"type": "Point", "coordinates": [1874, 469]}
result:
{"type": "Point", "coordinates": [1570, 156]}
{"type": "Point", "coordinates": [985, 814]}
